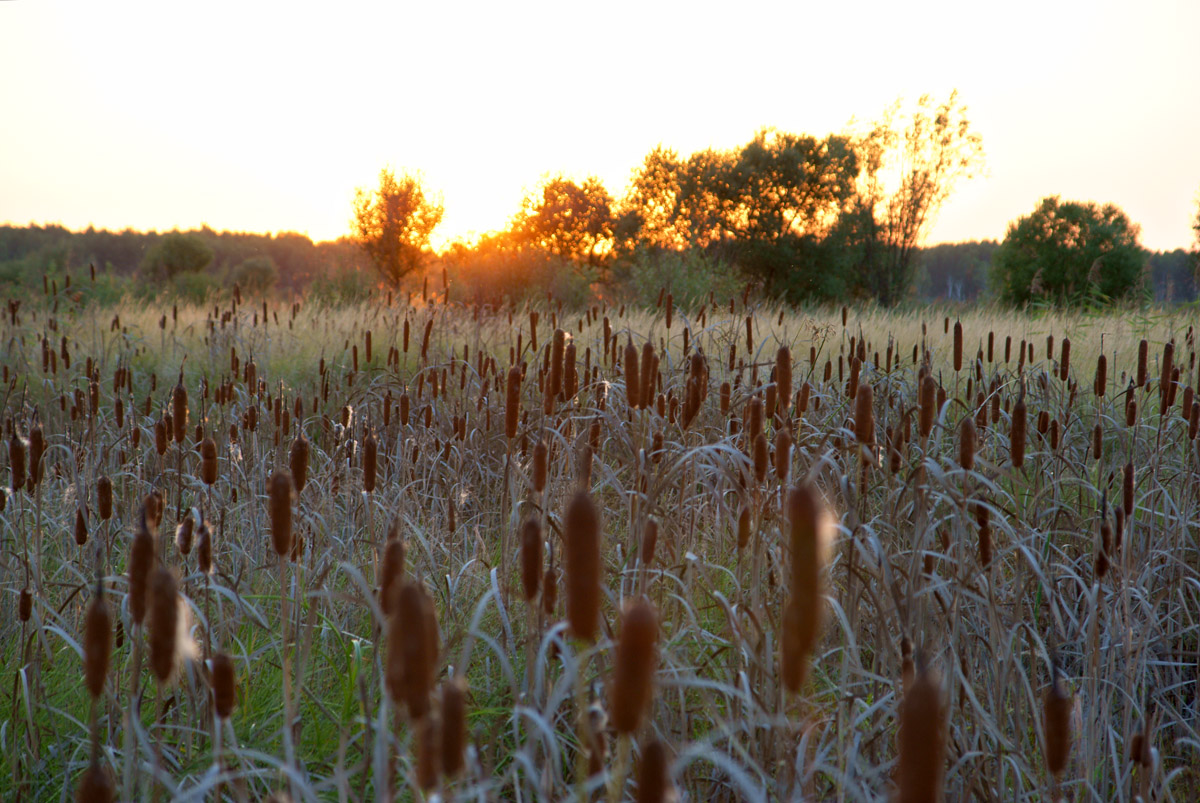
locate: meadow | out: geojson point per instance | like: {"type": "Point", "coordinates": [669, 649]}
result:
{"type": "Point", "coordinates": [731, 552]}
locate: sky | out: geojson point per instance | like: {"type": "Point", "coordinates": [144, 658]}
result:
{"type": "Point", "coordinates": [256, 116]}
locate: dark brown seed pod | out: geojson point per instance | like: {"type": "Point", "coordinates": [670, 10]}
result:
{"type": "Point", "coordinates": [512, 402]}
{"type": "Point", "coordinates": [16, 460]}
{"type": "Point", "coordinates": [809, 536]}
{"type": "Point", "coordinates": [1056, 724]}
{"type": "Point", "coordinates": [531, 557]}
{"type": "Point", "coordinates": [922, 741]}
{"type": "Point", "coordinates": [97, 643]}
{"type": "Point", "coordinates": [581, 528]}
{"type": "Point", "coordinates": [743, 527]}
{"type": "Point", "coordinates": [783, 455]}
{"type": "Point", "coordinates": [1165, 382]}
{"type": "Point", "coordinates": [208, 461]}
{"type": "Point", "coordinates": [391, 574]}
{"type": "Point", "coordinates": [184, 533]}
{"type": "Point", "coordinates": [25, 605]}
{"type": "Point", "coordinates": [179, 410]}
{"type": "Point", "coordinates": [928, 405]}
{"type": "Point", "coordinates": [783, 377]}
{"type": "Point", "coordinates": [81, 531]}
{"type": "Point", "coordinates": [635, 664]}
{"type": "Point", "coordinates": [414, 627]}
{"type": "Point", "coordinates": [753, 417]}
{"type": "Point", "coordinates": [654, 779]}
{"type": "Point", "coordinates": [298, 462]}
{"type": "Point", "coordinates": [370, 462]}
{"type": "Point", "coordinates": [958, 345]}
{"type": "Point", "coordinates": [104, 498]}
{"type": "Point", "coordinates": [1097, 441]}
{"type": "Point", "coordinates": [983, 521]}
{"type": "Point", "coordinates": [558, 343]}
{"type": "Point", "coordinates": [454, 725]}
{"type": "Point", "coordinates": [162, 626]}
{"type": "Point", "coordinates": [966, 444]}
{"type": "Point", "coordinates": [632, 376]}
{"type": "Point", "coordinates": [96, 785]}
{"type": "Point", "coordinates": [1017, 436]}
{"type": "Point", "coordinates": [429, 751]}
{"type": "Point", "coordinates": [649, 541]}
{"type": "Point", "coordinates": [549, 590]}
{"type": "Point", "coordinates": [279, 492]}
{"type": "Point", "coordinates": [224, 685]}
{"type": "Point", "coordinates": [762, 457]}
{"type": "Point", "coordinates": [646, 383]}
{"type": "Point", "coordinates": [1064, 365]}
{"type": "Point", "coordinates": [37, 447]}
{"type": "Point", "coordinates": [1101, 383]}
{"type": "Point", "coordinates": [864, 415]}
{"type": "Point", "coordinates": [160, 437]}
{"type": "Point", "coordinates": [141, 561]}
{"type": "Point", "coordinates": [204, 545]}
{"type": "Point", "coordinates": [541, 455]}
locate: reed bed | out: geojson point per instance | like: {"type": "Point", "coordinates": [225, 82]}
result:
{"type": "Point", "coordinates": [419, 551]}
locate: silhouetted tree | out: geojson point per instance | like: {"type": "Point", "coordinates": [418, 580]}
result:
{"type": "Point", "coordinates": [570, 220]}
{"type": "Point", "coordinates": [1068, 252]}
{"type": "Point", "coordinates": [176, 254]}
{"type": "Point", "coordinates": [393, 224]}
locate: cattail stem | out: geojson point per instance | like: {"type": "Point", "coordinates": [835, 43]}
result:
{"type": "Point", "coordinates": [131, 711]}
{"type": "Point", "coordinates": [620, 770]}
{"type": "Point", "coordinates": [289, 749]}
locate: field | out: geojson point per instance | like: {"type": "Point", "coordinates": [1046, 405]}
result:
{"type": "Point", "coordinates": [382, 551]}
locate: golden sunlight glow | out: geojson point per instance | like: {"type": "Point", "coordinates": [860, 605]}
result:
{"type": "Point", "coordinates": [266, 116]}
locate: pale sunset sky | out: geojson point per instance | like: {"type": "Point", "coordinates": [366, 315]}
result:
{"type": "Point", "coordinates": [258, 116]}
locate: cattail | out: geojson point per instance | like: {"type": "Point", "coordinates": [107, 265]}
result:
{"type": "Point", "coordinates": [1165, 395]}
{"type": "Point", "coordinates": [1097, 441]}
{"type": "Point", "coordinates": [783, 377]}
{"type": "Point", "coordinates": [97, 643]}
{"type": "Point", "coordinates": [531, 557]}
{"type": "Point", "coordinates": [223, 685]}
{"type": "Point", "coordinates": [1016, 439]}
{"type": "Point", "coordinates": [783, 455]}
{"type": "Point", "coordinates": [1143, 362]}
{"type": "Point", "coordinates": [279, 492]}
{"type": "Point", "coordinates": [96, 785]}
{"type": "Point", "coordinates": [958, 345]}
{"type": "Point", "coordinates": [1101, 375]}
{"type": "Point", "coordinates": [761, 455]}
{"type": "Point", "coordinates": [454, 725]}
{"type": "Point", "coordinates": [104, 498]}
{"type": "Point", "coordinates": [649, 541]}
{"type": "Point", "coordinates": [635, 664]}
{"type": "Point", "coordinates": [81, 532]}
{"type": "Point", "coordinates": [581, 528]}
{"type": "Point", "coordinates": [1056, 723]}
{"type": "Point", "coordinates": [37, 447]}
{"type": "Point", "coordinates": [550, 588]}
{"type": "Point", "coordinates": [984, 523]}
{"type": "Point", "coordinates": [429, 752]}
{"type": "Point", "coordinates": [163, 623]}
{"type": "Point", "coordinates": [922, 741]}
{"type": "Point", "coordinates": [864, 415]}
{"type": "Point", "coordinates": [370, 462]}
{"type": "Point", "coordinates": [554, 379]}
{"type": "Point", "coordinates": [753, 419]}
{"type": "Point", "coordinates": [160, 437]}
{"type": "Point", "coordinates": [654, 781]}
{"type": "Point", "coordinates": [391, 572]}
{"type": "Point", "coordinates": [208, 461]}
{"type": "Point", "coordinates": [298, 462]}
{"type": "Point", "coordinates": [16, 460]}
{"type": "Point", "coordinates": [141, 560]}
{"type": "Point", "coordinates": [809, 534]}
{"type": "Point", "coordinates": [631, 376]}
{"type": "Point", "coordinates": [204, 555]}
{"type": "Point", "coordinates": [179, 410]}
{"type": "Point", "coordinates": [743, 527]}
{"type": "Point", "coordinates": [966, 444]}
{"type": "Point", "coordinates": [412, 650]}
{"type": "Point", "coordinates": [1064, 365]}
{"type": "Point", "coordinates": [647, 383]}
{"type": "Point", "coordinates": [540, 457]}
{"type": "Point", "coordinates": [183, 534]}
{"type": "Point", "coordinates": [25, 605]}
{"type": "Point", "coordinates": [928, 405]}
{"type": "Point", "coordinates": [512, 402]}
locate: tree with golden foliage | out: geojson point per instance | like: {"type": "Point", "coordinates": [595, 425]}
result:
{"type": "Point", "coordinates": [393, 224]}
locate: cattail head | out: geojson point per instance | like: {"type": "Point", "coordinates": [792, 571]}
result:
{"type": "Point", "coordinates": [16, 460]}
{"type": "Point", "coordinates": [1017, 434]}
{"type": "Point", "coordinates": [298, 462]}
{"type": "Point", "coordinates": [531, 557]}
{"type": "Point", "coordinates": [864, 415]}
{"type": "Point", "coordinates": [581, 528]}
{"type": "Point", "coordinates": [554, 378]}
{"type": "Point", "coordinates": [1064, 364]}
{"type": "Point", "coordinates": [25, 605]}
{"type": "Point", "coordinates": [922, 741]}
{"type": "Point", "coordinates": [160, 437]}
{"type": "Point", "coordinates": [743, 527]}
{"type": "Point", "coordinates": [966, 444]}
{"type": "Point", "coordinates": [454, 725]}
{"type": "Point", "coordinates": [647, 382]}
{"type": "Point", "coordinates": [635, 665]}
{"type": "Point", "coordinates": [224, 685]}
{"type": "Point", "coordinates": [179, 410]}
{"type": "Point", "coordinates": [429, 751]}
{"type": "Point", "coordinates": [761, 456]}
{"type": "Point", "coordinates": [649, 541]}
{"type": "Point", "coordinates": [279, 497]}
{"type": "Point", "coordinates": [141, 561]}
{"type": "Point", "coordinates": [412, 649]}
{"type": "Point", "coordinates": [810, 534]}
{"type": "Point", "coordinates": [654, 777]}
{"type": "Point", "coordinates": [928, 405]}
{"type": "Point", "coordinates": [512, 402]}
{"type": "Point", "coordinates": [391, 574]}
{"type": "Point", "coordinates": [1056, 723]}
{"type": "Point", "coordinates": [185, 532]}
{"type": "Point", "coordinates": [208, 461]}
{"type": "Point", "coordinates": [632, 376]}
{"type": "Point", "coordinates": [96, 785]}
{"type": "Point", "coordinates": [783, 376]}
{"type": "Point", "coordinates": [204, 546]}
{"type": "Point", "coordinates": [97, 643]}
{"type": "Point", "coordinates": [1101, 375]}
{"type": "Point", "coordinates": [783, 454]}
{"type": "Point", "coordinates": [370, 462]}
{"type": "Point", "coordinates": [958, 345]}
{"type": "Point", "coordinates": [163, 624]}
{"type": "Point", "coordinates": [37, 448]}
{"type": "Point", "coordinates": [104, 498]}
{"type": "Point", "coordinates": [81, 532]}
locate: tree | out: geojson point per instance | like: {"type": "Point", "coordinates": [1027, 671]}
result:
{"type": "Point", "coordinates": [569, 220]}
{"type": "Point", "coordinates": [911, 164]}
{"type": "Point", "coordinates": [393, 224]}
{"type": "Point", "coordinates": [257, 274]}
{"type": "Point", "coordinates": [1068, 251]}
{"type": "Point", "coordinates": [176, 254]}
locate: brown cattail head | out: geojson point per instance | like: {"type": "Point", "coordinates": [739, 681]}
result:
{"type": "Point", "coordinates": [531, 557]}
{"type": "Point", "coordinates": [635, 665]}
{"type": "Point", "coordinates": [279, 497]}
{"type": "Point", "coordinates": [810, 533]}
{"type": "Point", "coordinates": [104, 498]}
{"type": "Point", "coordinates": [208, 461]}
{"type": "Point", "coordinates": [743, 527]}
{"type": "Point", "coordinates": [204, 546]}
{"type": "Point", "coordinates": [1017, 434]}
{"type": "Point", "coordinates": [541, 455]}
{"type": "Point", "coordinates": [654, 779]}
{"type": "Point", "coordinates": [179, 410]}
{"type": "Point", "coordinates": [16, 460]}
{"type": "Point", "coordinates": [864, 415]}
{"type": "Point", "coordinates": [160, 437]}
{"type": "Point", "coordinates": [558, 345]}
{"type": "Point", "coordinates": [96, 785]}
{"type": "Point", "coordinates": [783, 454]}
{"type": "Point", "coordinates": [97, 643]}
{"type": "Point", "coordinates": [141, 561]}
{"type": "Point", "coordinates": [25, 605]}
{"type": "Point", "coordinates": [958, 345]}
{"type": "Point", "coordinates": [922, 741]}
{"type": "Point", "coordinates": [370, 462]}
{"type": "Point", "coordinates": [429, 751]}
{"type": "Point", "coordinates": [163, 623]}
{"type": "Point", "coordinates": [37, 448]}
{"type": "Point", "coordinates": [1101, 384]}
{"type": "Point", "coordinates": [632, 377]}
{"type": "Point", "coordinates": [581, 528]}
{"type": "Point", "coordinates": [391, 574]}
{"type": "Point", "coordinates": [966, 444]}
{"type": "Point", "coordinates": [224, 685]}
{"type": "Point", "coordinates": [1064, 365]}
{"type": "Point", "coordinates": [928, 405]}
{"type": "Point", "coordinates": [761, 456]}
{"type": "Point", "coordinates": [412, 650]}
{"type": "Point", "coordinates": [512, 402]}
{"type": "Point", "coordinates": [184, 533]}
{"type": "Point", "coordinates": [81, 532]}
{"type": "Point", "coordinates": [1056, 722]}
{"type": "Point", "coordinates": [783, 377]}
{"type": "Point", "coordinates": [298, 462]}
{"type": "Point", "coordinates": [454, 725]}
{"type": "Point", "coordinates": [647, 382]}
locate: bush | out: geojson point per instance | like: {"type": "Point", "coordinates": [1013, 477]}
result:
{"type": "Point", "coordinates": [688, 275]}
{"type": "Point", "coordinates": [256, 275]}
{"type": "Point", "coordinates": [176, 254]}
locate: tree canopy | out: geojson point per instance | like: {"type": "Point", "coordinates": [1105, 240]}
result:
{"type": "Point", "coordinates": [567, 219]}
{"type": "Point", "coordinates": [176, 254]}
{"type": "Point", "coordinates": [393, 224]}
{"type": "Point", "coordinates": [1068, 251]}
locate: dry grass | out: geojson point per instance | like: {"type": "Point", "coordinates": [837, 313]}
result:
{"type": "Point", "coordinates": [376, 621]}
